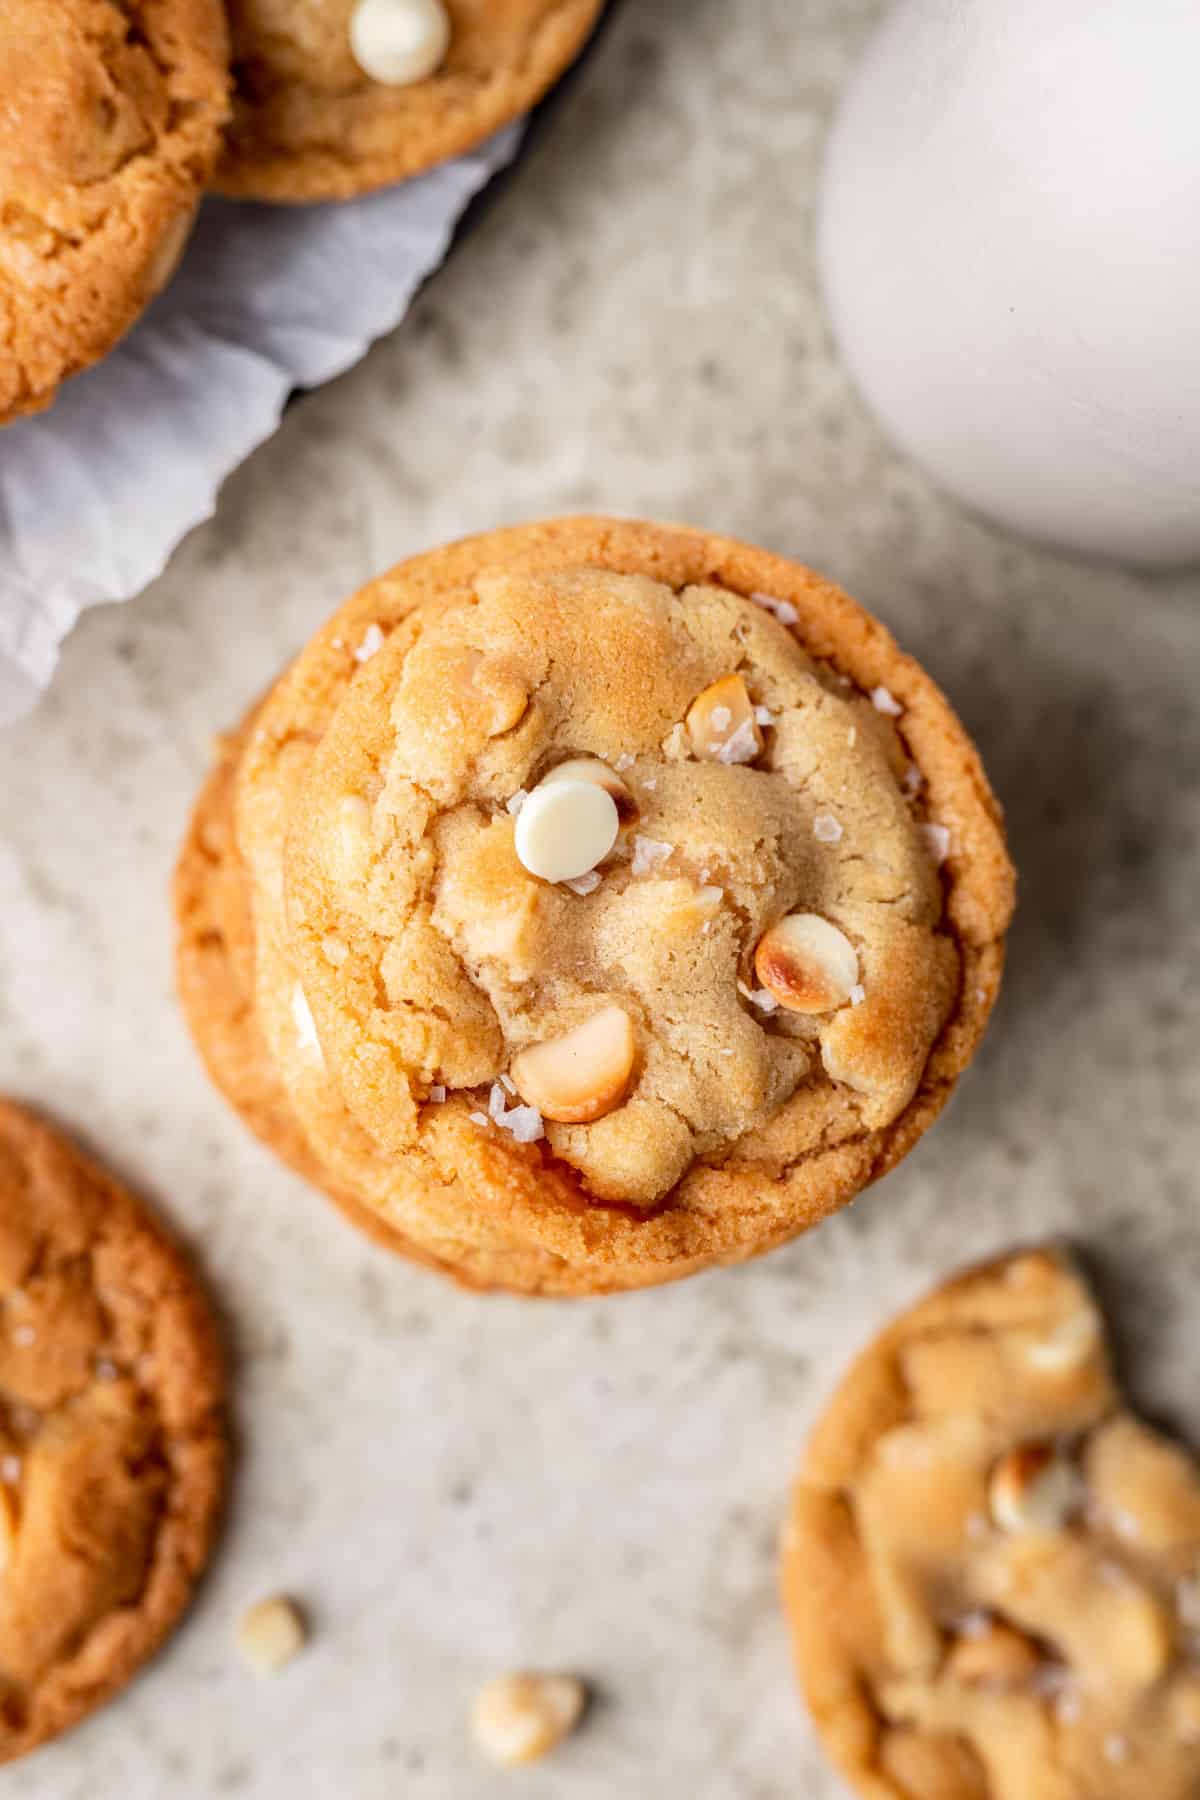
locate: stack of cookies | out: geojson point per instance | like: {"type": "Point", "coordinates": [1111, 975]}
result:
{"type": "Point", "coordinates": [117, 117]}
{"type": "Point", "coordinates": [591, 903]}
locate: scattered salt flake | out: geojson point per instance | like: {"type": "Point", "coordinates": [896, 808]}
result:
{"type": "Point", "coordinates": [913, 780]}
{"type": "Point", "coordinates": [858, 994]}
{"type": "Point", "coordinates": [704, 876]}
{"type": "Point", "coordinates": [650, 784]}
{"type": "Point", "coordinates": [497, 1103]}
{"type": "Point", "coordinates": [106, 1369]}
{"type": "Point", "coordinates": [1116, 1747]}
{"type": "Point", "coordinates": [706, 928]}
{"type": "Point", "coordinates": [1068, 1706]}
{"type": "Point", "coordinates": [583, 885]}
{"type": "Point", "coordinates": [437, 1094]}
{"type": "Point", "coordinates": [336, 644]}
{"type": "Point", "coordinates": [10, 1469]}
{"type": "Point", "coordinates": [1126, 1524]}
{"type": "Point", "coordinates": [852, 736]}
{"type": "Point", "coordinates": [525, 1123]}
{"type": "Point", "coordinates": [518, 800]}
{"type": "Point", "coordinates": [937, 839]}
{"type": "Point", "coordinates": [509, 1085]}
{"type": "Point", "coordinates": [720, 718]}
{"type": "Point", "coordinates": [764, 716]}
{"type": "Point", "coordinates": [623, 762]}
{"type": "Point", "coordinates": [765, 1002]}
{"type": "Point", "coordinates": [478, 1118]}
{"type": "Point", "coordinates": [974, 1624]}
{"type": "Point", "coordinates": [675, 744]}
{"type": "Point", "coordinates": [24, 1335]}
{"type": "Point", "coordinates": [827, 829]}
{"type": "Point", "coordinates": [977, 1525]}
{"type": "Point", "coordinates": [648, 853]}
{"type": "Point", "coordinates": [1187, 1599]}
{"type": "Point", "coordinates": [783, 610]}
{"type": "Point", "coordinates": [334, 949]}
{"type": "Point", "coordinates": [306, 1030]}
{"type": "Point", "coordinates": [884, 701]}
{"type": "Point", "coordinates": [743, 746]}
{"type": "Point", "coordinates": [372, 643]}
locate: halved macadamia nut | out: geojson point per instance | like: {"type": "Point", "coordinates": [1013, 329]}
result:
{"type": "Point", "coordinates": [806, 964]}
{"type": "Point", "coordinates": [721, 723]}
{"type": "Point", "coordinates": [565, 828]}
{"type": "Point", "coordinates": [518, 1718]}
{"type": "Point", "coordinates": [582, 1075]}
{"type": "Point", "coordinates": [492, 690]}
{"type": "Point", "coordinates": [590, 768]}
{"type": "Point", "coordinates": [1034, 1488]}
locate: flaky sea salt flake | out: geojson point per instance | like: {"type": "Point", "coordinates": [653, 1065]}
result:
{"type": "Point", "coordinates": [516, 802]}
{"type": "Point", "coordinates": [648, 853]}
{"type": "Point", "coordinates": [783, 610]}
{"type": "Point", "coordinates": [742, 747]}
{"type": "Point", "coordinates": [827, 829]}
{"type": "Point", "coordinates": [937, 840]}
{"type": "Point", "coordinates": [764, 716]}
{"type": "Point", "coordinates": [858, 994]}
{"type": "Point", "coordinates": [437, 1094]}
{"type": "Point", "coordinates": [884, 701]}
{"type": "Point", "coordinates": [372, 644]}
{"type": "Point", "coordinates": [583, 885]}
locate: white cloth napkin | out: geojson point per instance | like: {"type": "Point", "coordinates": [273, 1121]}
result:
{"type": "Point", "coordinates": [97, 492]}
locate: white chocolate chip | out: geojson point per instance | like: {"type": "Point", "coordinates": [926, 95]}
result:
{"type": "Point", "coordinates": [565, 828]}
{"type": "Point", "coordinates": [807, 964]}
{"type": "Point", "coordinates": [270, 1634]}
{"type": "Point", "coordinates": [518, 1718]}
{"type": "Point", "coordinates": [721, 723]}
{"type": "Point", "coordinates": [398, 42]}
{"type": "Point", "coordinates": [580, 1076]}
{"type": "Point", "coordinates": [885, 702]}
{"type": "Point", "coordinates": [372, 644]}
{"type": "Point", "coordinates": [1033, 1488]}
{"type": "Point", "coordinates": [827, 829]}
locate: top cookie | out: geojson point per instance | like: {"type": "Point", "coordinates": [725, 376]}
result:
{"type": "Point", "coordinates": [109, 129]}
{"type": "Point", "coordinates": [732, 1095]}
{"type": "Point", "coordinates": [111, 1450]}
{"type": "Point", "coordinates": [310, 123]}
{"type": "Point", "coordinates": [992, 1566]}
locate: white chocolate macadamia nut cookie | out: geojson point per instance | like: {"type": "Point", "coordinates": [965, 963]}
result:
{"type": "Point", "coordinates": [609, 899]}
{"type": "Point", "coordinates": [992, 1567]}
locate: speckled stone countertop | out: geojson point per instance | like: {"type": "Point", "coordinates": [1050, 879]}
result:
{"type": "Point", "coordinates": [454, 1486]}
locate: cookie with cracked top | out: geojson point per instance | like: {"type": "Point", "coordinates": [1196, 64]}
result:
{"type": "Point", "coordinates": [109, 130]}
{"type": "Point", "coordinates": [623, 902]}
{"type": "Point", "coordinates": [112, 1447]}
{"type": "Point", "coordinates": [992, 1566]}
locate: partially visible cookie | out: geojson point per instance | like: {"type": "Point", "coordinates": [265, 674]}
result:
{"type": "Point", "coordinates": [109, 128]}
{"type": "Point", "coordinates": [111, 1444]}
{"type": "Point", "coordinates": [992, 1566]}
{"type": "Point", "coordinates": [314, 121]}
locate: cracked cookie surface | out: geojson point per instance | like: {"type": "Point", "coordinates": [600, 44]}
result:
{"type": "Point", "coordinates": [992, 1566]}
{"type": "Point", "coordinates": [790, 1142]}
{"type": "Point", "coordinates": [109, 130]}
{"type": "Point", "coordinates": [309, 124]}
{"type": "Point", "coordinates": [111, 1444]}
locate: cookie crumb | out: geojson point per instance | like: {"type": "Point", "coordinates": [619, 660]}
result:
{"type": "Point", "coordinates": [271, 1634]}
{"type": "Point", "coordinates": [518, 1718]}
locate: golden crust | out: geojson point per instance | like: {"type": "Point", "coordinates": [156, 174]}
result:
{"type": "Point", "coordinates": [309, 125]}
{"type": "Point", "coordinates": [513, 1203]}
{"type": "Point", "coordinates": [951, 1648]}
{"type": "Point", "coordinates": [110, 129]}
{"type": "Point", "coordinates": [110, 1431]}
